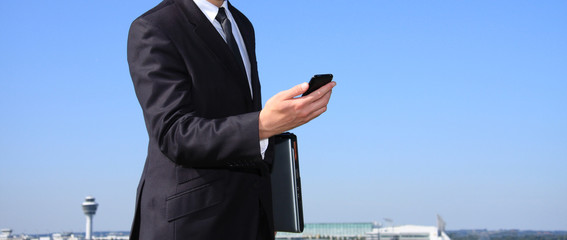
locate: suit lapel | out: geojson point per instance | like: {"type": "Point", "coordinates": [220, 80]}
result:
{"type": "Point", "coordinates": [247, 33]}
{"type": "Point", "coordinates": [212, 39]}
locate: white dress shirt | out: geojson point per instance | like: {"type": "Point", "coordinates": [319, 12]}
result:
{"type": "Point", "coordinates": [210, 10]}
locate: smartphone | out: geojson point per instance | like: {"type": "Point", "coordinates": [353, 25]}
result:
{"type": "Point", "coordinates": [318, 81]}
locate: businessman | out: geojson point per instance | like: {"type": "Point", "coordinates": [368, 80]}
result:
{"type": "Point", "coordinates": [206, 176]}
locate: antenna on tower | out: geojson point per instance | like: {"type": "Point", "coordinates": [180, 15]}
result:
{"type": "Point", "coordinates": [440, 225]}
{"type": "Point", "coordinates": [89, 208]}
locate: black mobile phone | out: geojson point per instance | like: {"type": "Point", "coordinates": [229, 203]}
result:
{"type": "Point", "coordinates": [318, 81]}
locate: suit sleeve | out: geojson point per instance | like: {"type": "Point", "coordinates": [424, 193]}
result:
{"type": "Point", "coordinates": [163, 88]}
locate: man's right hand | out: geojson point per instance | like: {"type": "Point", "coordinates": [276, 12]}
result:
{"type": "Point", "coordinates": [284, 111]}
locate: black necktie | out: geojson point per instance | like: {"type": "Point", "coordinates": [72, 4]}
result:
{"type": "Point", "coordinates": [227, 29]}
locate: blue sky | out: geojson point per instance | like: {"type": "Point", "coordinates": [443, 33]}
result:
{"type": "Point", "coordinates": [454, 108]}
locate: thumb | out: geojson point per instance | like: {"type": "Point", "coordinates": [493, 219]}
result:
{"type": "Point", "coordinates": [295, 91]}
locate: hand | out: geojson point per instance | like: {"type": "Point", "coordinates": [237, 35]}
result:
{"type": "Point", "coordinates": [284, 111]}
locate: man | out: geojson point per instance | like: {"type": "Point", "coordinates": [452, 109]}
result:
{"type": "Point", "coordinates": [206, 176]}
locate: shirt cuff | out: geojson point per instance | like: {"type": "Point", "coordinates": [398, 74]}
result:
{"type": "Point", "coordinates": [263, 146]}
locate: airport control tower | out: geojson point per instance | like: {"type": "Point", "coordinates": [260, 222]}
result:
{"type": "Point", "coordinates": [89, 207]}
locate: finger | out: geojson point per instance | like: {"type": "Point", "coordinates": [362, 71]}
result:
{"type": "Point", "coordinates": [322, 91]}
{"type": "Point", "coordinates": [320, 102]}
{"type": "Point", "coordinates": [317, 113]}
{"type": "Point", "coordinates": [294, 91]}
{"type": "Point", "coordinates": [313, 111]}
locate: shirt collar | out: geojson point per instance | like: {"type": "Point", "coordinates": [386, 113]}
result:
{"type": "Point", "coordinates": [209, 9]}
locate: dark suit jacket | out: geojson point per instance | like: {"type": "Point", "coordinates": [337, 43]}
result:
{"type": "Point", "coordinates": [204, 177]}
